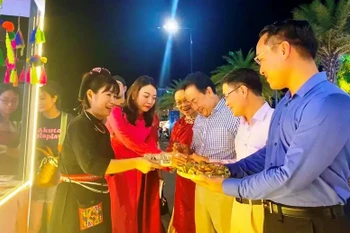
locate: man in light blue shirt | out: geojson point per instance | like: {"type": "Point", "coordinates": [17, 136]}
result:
{"type": "Point", "coordinates": [302, 172]}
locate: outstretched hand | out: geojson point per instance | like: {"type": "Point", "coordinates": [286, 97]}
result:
{"type": "Point", "coordinates": [144, 165]}
{"type": "Point", "coordinates": [178, 159]}
{"type": "Point", "coordinates": [213, 184]}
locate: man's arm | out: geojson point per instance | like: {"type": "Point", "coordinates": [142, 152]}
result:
{"type": "Point", "coordinates": [254, 163]}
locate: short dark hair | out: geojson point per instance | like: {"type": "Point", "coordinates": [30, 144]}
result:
{"type": "Point", "coordinates": [53, 89]}
{"type": "Point", "coordinates": [181, 87]}
{"type": "Point", "coordinates": [119, 79]}
{"type": "Point", "coordinates": [200, 80]}
{"type": "Point", "coordinates": [95, 80]}
{"type": "Point", "coordinates": [297, 32]}
{"type": "Point", "coordinates": [244, 76]}
{"type": "Point", "coordinates": [130, 107]}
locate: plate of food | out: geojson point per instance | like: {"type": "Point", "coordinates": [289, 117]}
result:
{"type": "Point", "coordinates": [192, 170]}
{"type": "Point", "coordinates": [164, 159]}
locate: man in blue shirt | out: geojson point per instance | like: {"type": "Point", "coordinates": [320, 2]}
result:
{"type": "Point", "coordinates": [302, 171]}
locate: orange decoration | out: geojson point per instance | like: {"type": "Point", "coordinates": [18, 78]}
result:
{"type": "Point", "coordinates": [10, 27]}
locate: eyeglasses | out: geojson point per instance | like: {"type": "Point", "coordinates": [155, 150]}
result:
{"type": "Point", "coordinates": [100, 70]}
{"type": "Point", "coordinates": [7, 102]}
{"type": "Point", "coordinates": [257, 58]}
{"type": "Point", "coordinates": [226, 96]}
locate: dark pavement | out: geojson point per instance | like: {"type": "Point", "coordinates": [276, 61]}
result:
{"type": "Point", "coordinates": [169, 188]}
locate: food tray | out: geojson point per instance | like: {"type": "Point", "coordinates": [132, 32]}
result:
{"type": "Point", "coordinates": [188, 176]}
{"type": "Point", "coordinates": [192, 169]}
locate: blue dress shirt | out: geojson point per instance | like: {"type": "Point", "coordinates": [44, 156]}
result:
{"type": "Point", "coordinates": [306, 161]}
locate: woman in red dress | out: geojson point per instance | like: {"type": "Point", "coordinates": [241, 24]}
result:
{"type": "Point", "coordinates": [183, 214]}
{"type": "Point", "coordinates": [135, 198]}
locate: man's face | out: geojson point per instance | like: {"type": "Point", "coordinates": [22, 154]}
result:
{"type": "Point", "coordinates": [235, 96]}
{"type": "Point", "coordinates": [272, 63]}
{"type": "Point", "coordinates": [200, 102]}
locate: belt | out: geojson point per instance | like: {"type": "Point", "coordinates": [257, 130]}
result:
{"type": "Point", "coordinates": [247, 201]}
{"type": "Point", "coordinates": [85, 181]}
{"type": "Point", "coordinates": [304, 212]}
{"type": "Point", "coordinates": [81, 177]}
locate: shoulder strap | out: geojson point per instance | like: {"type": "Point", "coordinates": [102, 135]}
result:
{"type": "Point", "coordinates": [64, 122]}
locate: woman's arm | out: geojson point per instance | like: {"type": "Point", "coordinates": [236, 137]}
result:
{"type": "Point", "coordinates": [122, 165]}
{"type": "Point", "coordinates": [120, 128]}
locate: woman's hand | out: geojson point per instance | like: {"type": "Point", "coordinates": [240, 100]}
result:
{"type": "Point", "coordinates": [178, 159]}
{"type": "Point", "coordinates": [144, 165]}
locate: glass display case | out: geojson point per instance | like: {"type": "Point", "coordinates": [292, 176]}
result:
{"type": "Point", "coordinates": [18, 115]}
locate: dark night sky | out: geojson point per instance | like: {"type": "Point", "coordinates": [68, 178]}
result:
{"type": "Point", "coordinates": [123, 36]}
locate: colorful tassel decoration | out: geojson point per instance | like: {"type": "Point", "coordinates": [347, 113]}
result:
{"type": "Point", "coordinates": [12, 36]}
{"type": "Point", "coordinates": [13, 44]}
{"type": "Point", "coordinates": [14, 78]}
{"type": "Point", "coordinates": [7, 76]}
{"type": "Point", "coordinates": [22, 76]}
{"type": "Point", "coordinates": [34, 78]}
{"type": "Point", "coordinates": [43, 77]}
{"type": "Point", "coordinates": [36, 64]}
{"type": "Point", "coordinates": [20, 42]}
{"type": "Point", "coordinates": [32, 36]}
{"type": "Point", "coordinates": [40, 36]}
{"type": "Point", "coordinates": [10, 27]}
{"type": "Point", "coordinates": [28, 76]}
{"type": "Point", "coordinates": [9, 49]}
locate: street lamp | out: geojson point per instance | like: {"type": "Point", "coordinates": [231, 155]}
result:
{"type": "Point", "coordinates": [172, 27]}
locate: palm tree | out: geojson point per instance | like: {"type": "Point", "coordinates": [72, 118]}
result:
{"type": "Point", "coordinates": [237, 60]}
{"type": "Point", "coordinates": [166, 101]}
{"type": "Point", "coordinates": [344, 74]}
{"type": "Point", "coordinates": [330, 22]}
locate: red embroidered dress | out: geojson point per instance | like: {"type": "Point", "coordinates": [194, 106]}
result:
{"type": "Point", "coordinates": [135, 201]}
{"type": "Point", "coordinates": [183, 219]}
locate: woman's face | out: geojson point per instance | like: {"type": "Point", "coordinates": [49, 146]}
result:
{"type": "Point", "coordinates": [46, 101]}
{"type": "Point", "coordinates": [102, 102]}
{"type": "Point", "coordinates": [182, 104]}
{"type": "Point", "coordinates": [8, 102]}
{"type": "Point", "coordinates": [146, 98]}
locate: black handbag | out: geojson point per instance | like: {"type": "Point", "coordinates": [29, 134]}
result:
{"type": "Point", "coordinates": [164, 207]}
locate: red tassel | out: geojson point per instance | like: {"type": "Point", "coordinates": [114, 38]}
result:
{"type": "Point", "coordinates": [28, 76]}
{"type": "Point", "coordinates": [43, 77]}
{"type": "Point", "coordinates": [7, 76]}
{"type": "Point", "coordinates": [22, 76]}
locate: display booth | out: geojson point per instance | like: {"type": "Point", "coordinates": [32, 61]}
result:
{"type": "Point", "coordinates": [17, 163]}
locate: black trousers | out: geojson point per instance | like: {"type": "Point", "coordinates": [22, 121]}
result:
{"type": "Point", "coordinates": [276, 223]}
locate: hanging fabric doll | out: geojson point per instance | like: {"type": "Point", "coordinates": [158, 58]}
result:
{"type": "Point", "coordinates": [36, 73]}
{"type": "Point", "coordinates": [19, 38]}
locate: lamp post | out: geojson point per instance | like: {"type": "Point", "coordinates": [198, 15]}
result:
{"type": "Point", "coordinates": [172, 27]}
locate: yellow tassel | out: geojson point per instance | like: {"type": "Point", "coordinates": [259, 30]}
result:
{"type": "Point", "coordinates": [10, 53]}
{"type": "Point", "coordinates": [34, 79]}
{"type": "Point", "coordinates": [40, 36]}
{"type": "Point", "coordinates": [14, 78]}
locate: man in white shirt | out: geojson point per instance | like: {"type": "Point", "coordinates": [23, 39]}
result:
{"type": "Point", "coordinates": [242, 90]}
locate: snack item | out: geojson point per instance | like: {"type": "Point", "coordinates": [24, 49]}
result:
{"type": "Point", "coordinates": [204, 168]}
{"type": "Point", "coordinates": [163, 158]}
{"type": "Point", "coordinates": [181, 148]}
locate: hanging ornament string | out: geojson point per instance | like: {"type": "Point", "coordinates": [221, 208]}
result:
{"type": "Point", "coordinates": [19, 38]}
